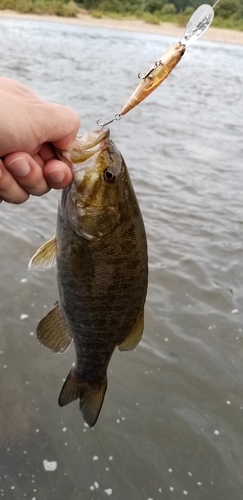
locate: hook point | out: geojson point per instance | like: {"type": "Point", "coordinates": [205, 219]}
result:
{"type": "Point", "coordinates": [101, 124]}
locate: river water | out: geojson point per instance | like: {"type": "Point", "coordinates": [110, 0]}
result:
{"type": "Point", "coordinates": [172, 422]}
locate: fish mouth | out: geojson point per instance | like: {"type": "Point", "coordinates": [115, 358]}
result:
{"type": "Point", "coordinates": [102, 135]}
{"type": "Point", "coordinates": [85, 147]}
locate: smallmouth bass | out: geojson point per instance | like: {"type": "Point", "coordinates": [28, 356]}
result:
{"type": "Point", "coordinates": [100, 252]}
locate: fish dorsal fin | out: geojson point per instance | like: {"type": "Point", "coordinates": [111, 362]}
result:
{"type": "Point", "coordinates": [135, 335]}
{"type": "Point", "coordinates": [52, 331]}
{"type": "Point", "coordinates": [45, 257]}
{"type": "Point", "coordinates": [91, 396]}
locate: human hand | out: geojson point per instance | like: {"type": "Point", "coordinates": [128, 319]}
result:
{"type": "Point", "coordinates": [29, 127]}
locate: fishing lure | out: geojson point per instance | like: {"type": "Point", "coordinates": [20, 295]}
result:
{"type": "Point", "coordinates": [151, 79]}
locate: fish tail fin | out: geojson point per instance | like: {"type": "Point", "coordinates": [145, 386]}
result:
{"type": "Point", "coordinates": [91, 396]}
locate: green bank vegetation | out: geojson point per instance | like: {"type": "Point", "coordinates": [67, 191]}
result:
{"type": "Point", "coordinates": [228, 13]}
{"type": "Point", "coordinates": [65, 8]}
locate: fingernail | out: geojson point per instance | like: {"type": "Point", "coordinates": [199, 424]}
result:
{"type": "Point", "coordinates": [56, 175]}
{"type": "Point", "coordinates": [18, 167]}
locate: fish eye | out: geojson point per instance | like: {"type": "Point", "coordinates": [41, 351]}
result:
{"type": "Point", "coordinates": [109, 175]}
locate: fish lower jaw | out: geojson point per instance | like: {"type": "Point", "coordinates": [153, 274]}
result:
{"type": "Point", "coordinates": [89, 145]}
{"type": "Point", "coordinates": [64, 156]}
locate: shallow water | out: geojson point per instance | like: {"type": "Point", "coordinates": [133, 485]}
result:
{"type": "Point", "coordinates": [171, 425]}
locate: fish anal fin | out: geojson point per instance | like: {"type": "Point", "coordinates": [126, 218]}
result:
{"type": "Point", "coordinates": [91, 396]}
{"type": "Point", "coordinates": [135, 335]}
{"type": "Point", "coordinates": [45, 257]}
{"type": "Point", "coordinates": [52, 331]}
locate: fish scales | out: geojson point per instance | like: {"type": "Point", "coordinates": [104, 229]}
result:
{"type": "Point", "coordinates": [102, 274]}
{"type": "Point", "coordinates": [109, 274]}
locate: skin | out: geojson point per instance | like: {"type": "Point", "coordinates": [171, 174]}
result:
{"type": "Point", "coordinates": [29, 128]}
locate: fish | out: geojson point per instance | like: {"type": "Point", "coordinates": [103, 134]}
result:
{"type": "Point", "coordinates": [100, 254]}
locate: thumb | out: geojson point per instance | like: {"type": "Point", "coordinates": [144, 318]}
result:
{"type": "Point", "coordinates": [63, 126]}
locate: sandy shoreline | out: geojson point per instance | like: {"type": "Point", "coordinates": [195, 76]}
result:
{"type": "Point", "coordinates": [214, 34]}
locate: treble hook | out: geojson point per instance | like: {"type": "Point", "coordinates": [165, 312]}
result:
{"type": "Point", "coordinates": [103, 124]}
{"type": "Point", "coordinates": [143, 74]}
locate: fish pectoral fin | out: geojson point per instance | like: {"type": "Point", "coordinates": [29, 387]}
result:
{"type": "Point", "coordinates": [134, 337]}
{"type": "Point", "coordinates": [52, 331]}
{"type": "Point", "coordinates": [91, 396]}
{"type": "Point", "coordinates": [45, 257]}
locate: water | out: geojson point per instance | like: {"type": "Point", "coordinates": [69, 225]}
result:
{"type": "Point", "coordinates": [171, 425]}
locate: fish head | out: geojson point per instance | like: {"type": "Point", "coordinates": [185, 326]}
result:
{"type": "Point", "coordinates": [91, 203]}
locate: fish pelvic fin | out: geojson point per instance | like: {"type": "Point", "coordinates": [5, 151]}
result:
{"type": "Point", "coordinates": [52, 331]}
{"type": "Point", "coordinates": [45, 257]}
{"type": "Point", "coordinates": [91, 396]}
{"type": "Point", "coordinates": [134, 336]}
